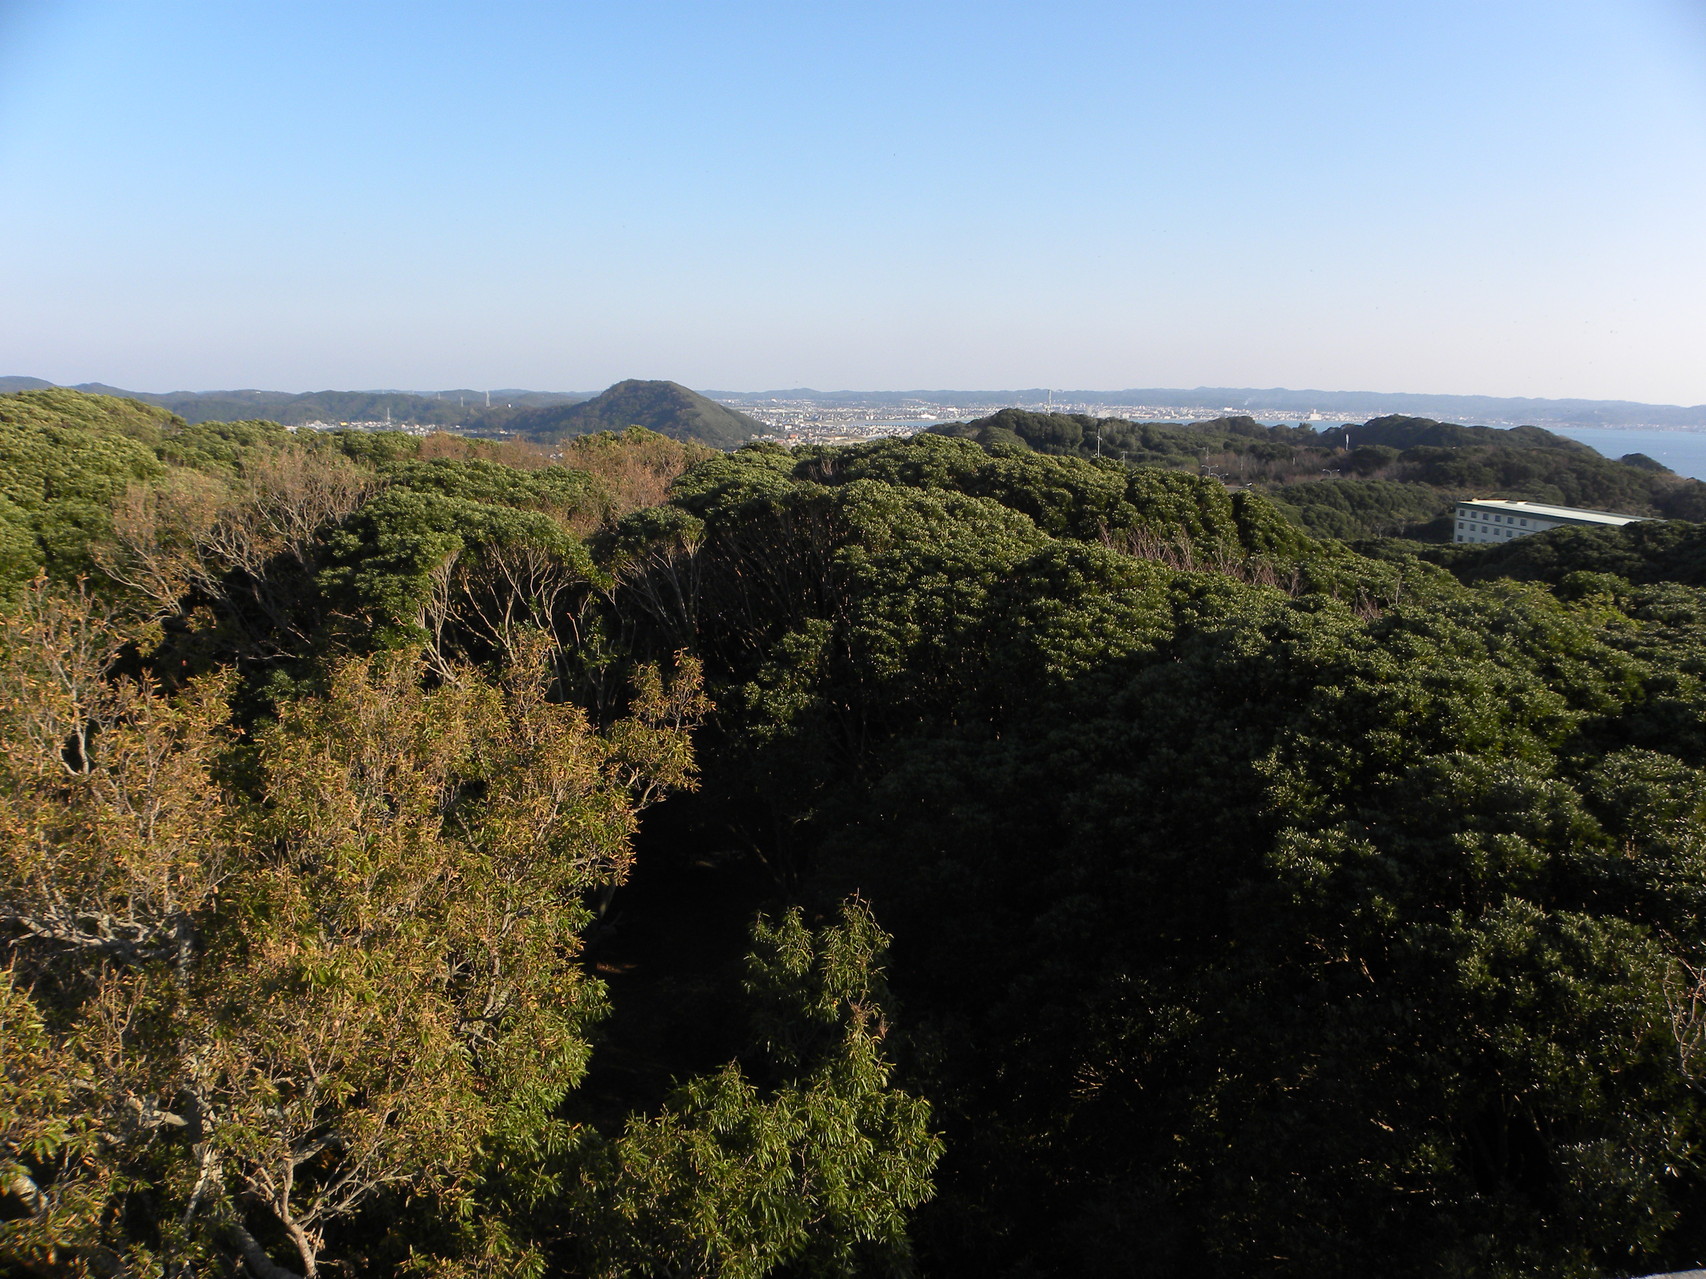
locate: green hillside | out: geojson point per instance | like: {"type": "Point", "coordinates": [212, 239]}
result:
{"type": "Point", "coordinates": [446, 409]}
{"type": "Point", "coordinates": [665, 407]}
{"type": "Point", "coordinates": [1388, 476]}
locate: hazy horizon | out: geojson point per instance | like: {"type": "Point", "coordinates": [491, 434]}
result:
{"type": "Point", "coordinates": [1062, 391]}
{"type": "Point", "coordinates": [1497, 198]}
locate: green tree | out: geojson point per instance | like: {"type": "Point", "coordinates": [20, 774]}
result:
{"type": "Point", "coordinates": [270, 989]}
{"type": "Point", "coordinates": [803, 1159]}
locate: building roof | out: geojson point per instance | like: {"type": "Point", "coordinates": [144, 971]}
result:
{"type": "Point", "coordinates": [1573, 514]}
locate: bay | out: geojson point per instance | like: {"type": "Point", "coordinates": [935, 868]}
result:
{"type": "Point", "coordinates": [1683, 451]}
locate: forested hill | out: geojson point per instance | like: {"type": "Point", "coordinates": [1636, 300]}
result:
{"type": "Point", "coordinates": [1398, 475]}
{"type": "Point", "coordinates": [1401, 433]}
{"type": "Point", "coordinates": [447, 856]}
{"type": "Point", "coordinates": [665, 407]}
{"type": "Point", "coordinates": [444, 408]}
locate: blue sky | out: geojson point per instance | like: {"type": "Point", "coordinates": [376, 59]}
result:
{"type": "Point", "coordinates": [1503, 197]}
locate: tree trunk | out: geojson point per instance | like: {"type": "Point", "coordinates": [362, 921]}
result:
{"type": "Point", "coordinates": [255, 1257]}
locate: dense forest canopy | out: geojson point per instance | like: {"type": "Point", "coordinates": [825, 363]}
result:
{"type": "Point", "coordinates": [961, 855]}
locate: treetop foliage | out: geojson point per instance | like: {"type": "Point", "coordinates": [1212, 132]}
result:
{"type": "Point", "coordinates": [953, 855]}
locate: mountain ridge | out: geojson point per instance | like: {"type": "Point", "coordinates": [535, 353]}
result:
{"type": "Point", "coordinates": [439, 408]}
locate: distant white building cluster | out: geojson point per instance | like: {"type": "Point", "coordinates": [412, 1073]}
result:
{"type": "Point", "coordinates": [1491, 520]}
{"type": "Point", "coordinates": [407, 428]}
{"type": "Point", "coordinates": [813, 421]}
{"type": "Point", "coordinates": [807, 422]}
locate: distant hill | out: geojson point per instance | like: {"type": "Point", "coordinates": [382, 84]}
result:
{"type": "Point", "coordinates": [1391, 475]}
{"type": "Point", "coordinates": [314, 406]}
{"type": "Point", "coordinates": [447, 409]}
{"type": "Point", "coordinates": [666, 407]}
{"type": "Point", "coordinates": [443, 408]}
{"type": "Point", "coordinates": [1396, 431]}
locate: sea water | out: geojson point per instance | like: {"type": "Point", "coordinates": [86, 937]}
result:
{"type": "Point", "coordinates": [1683, 451]}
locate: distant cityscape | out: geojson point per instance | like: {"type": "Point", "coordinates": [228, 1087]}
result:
{"type": "Point", "coordinates": [386, 424]}
{"type": "Point", "coordinates": [812, 413]}
{"type": "Point", "coordinates": [812, 421]}
{"type": "Point", "coordinates": [805, 421]}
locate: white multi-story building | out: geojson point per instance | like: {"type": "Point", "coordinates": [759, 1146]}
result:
{"type": "Point", "coordinates": [1490, 520]}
